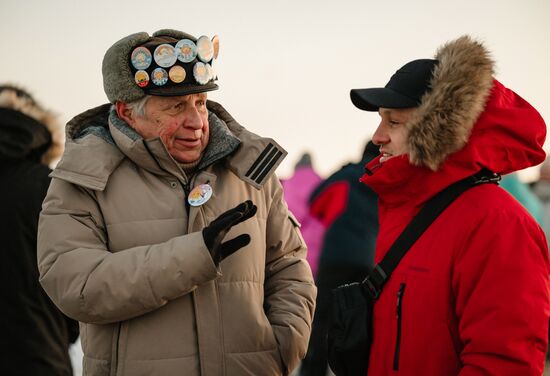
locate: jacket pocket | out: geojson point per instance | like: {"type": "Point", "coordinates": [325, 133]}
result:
{"type": "Point", "coordinates": [400, 294]}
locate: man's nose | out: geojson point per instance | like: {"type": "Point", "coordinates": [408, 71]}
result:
{"type": "Point", "coordinates": [192, 118]}
{"type": "Point", "coordinates": [380, 136]}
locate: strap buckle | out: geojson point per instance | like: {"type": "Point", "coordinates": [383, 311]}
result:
{"type": "Point", "coordinates": [485, 176]}
{"type": "Point", "coordinates": [374, 282]}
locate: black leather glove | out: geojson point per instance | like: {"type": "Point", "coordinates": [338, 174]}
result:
{"type": "Point", "coordinates": [214, 233]}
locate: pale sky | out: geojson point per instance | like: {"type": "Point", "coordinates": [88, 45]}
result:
{"type": "Point", "coordinates": [285, 67]}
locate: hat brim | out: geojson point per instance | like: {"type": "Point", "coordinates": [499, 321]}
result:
{"type": "Point", "coordinates": [373, 99]}
{"type": "Point", "coordinates": [174, 91]}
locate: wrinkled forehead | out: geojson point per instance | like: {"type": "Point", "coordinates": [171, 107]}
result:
{"type": "Point", "coordinates": [157, 101]}
{"type": "Point", "coordinates": [181, 98]}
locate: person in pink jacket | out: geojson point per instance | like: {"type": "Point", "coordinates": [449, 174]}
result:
{"type": "Point", "coordinates": [471, 296]}
{"type": "Point", "coordinates": [297, 190]}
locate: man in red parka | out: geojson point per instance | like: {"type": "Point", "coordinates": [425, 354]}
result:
{"type": "Point", "coordinates": [471, 296]}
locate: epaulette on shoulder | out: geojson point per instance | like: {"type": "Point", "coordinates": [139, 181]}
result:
{"type": "Point", "coordinates": [255, 163]}
{"type": "Point", "coordinates": [257, 157]}
{"type": "Point", "coordinates": [267, 162]}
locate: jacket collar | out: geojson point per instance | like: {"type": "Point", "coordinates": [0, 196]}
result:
{"type": "Point", "coordinates": [90, 154]}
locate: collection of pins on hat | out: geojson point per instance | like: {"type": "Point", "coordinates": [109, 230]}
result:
{"type": "Point", "coordinates": [166, 56]}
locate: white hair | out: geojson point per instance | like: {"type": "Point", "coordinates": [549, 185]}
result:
{"type": "Point", "coordinates": [138, 107]}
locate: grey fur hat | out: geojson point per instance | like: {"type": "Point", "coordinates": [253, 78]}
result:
{"type": "Point", "coordinates": [168, 63]}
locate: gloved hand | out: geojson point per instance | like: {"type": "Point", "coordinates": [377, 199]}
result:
{"type": "Point", "coordinates": [214, 233]}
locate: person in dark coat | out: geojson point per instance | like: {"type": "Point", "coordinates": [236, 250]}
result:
{"type": "Point", "coordinates": [349, 211]}
{"type": "Point", "coordinates": [35, 334]}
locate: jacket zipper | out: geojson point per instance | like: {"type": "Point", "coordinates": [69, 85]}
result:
{"type": "Point", "coordinates": [398, 336]}
{"type": "Point", "coordinates": [186, 190]}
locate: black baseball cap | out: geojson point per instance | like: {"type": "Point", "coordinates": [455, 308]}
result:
{"type": "Point", "coordinates": [404, 90]}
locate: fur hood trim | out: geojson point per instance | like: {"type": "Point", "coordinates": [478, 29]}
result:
{"type": "Point", "coordinates": [460, 85]}
{"type": "Point", "coordinates": [9, 98]}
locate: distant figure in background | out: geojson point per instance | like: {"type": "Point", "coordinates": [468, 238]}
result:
{"type": "Point", "coordinates": [349, 211]}
{"type": "Point", "coordinates": [524, 194]}
{"type": "Point", "coordinates": [297, 190]}
{"type": "Point", "coordinates": [541, 189]}
{"type": "Point", "coordinates": [35, 334]}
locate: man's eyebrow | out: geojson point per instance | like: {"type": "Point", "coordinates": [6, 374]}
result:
{"type": "Point", "coordinates": [171, 102]}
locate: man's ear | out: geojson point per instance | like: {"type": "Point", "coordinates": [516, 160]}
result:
{"type": "Point", "coordinates": [125, 113]}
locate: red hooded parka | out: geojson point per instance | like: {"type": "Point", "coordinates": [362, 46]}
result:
{"type": "Point", "coordinates": [471, 296]}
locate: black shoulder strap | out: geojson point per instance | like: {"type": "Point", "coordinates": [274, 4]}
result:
{"type": "Point", "coordinates": [431, 210]}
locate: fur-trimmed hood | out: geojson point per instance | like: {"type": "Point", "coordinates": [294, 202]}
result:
{"type": "Point", "coordinates": [20, 124]}
{"type": "Point", "coordinates": [460, 84]}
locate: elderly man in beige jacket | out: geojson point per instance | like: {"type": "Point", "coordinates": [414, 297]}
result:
{"type": "Point", "coordinates": [165, 232]}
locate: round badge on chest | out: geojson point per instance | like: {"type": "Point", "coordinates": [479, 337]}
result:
{"type": "Point", "coordinates": [199, 195]}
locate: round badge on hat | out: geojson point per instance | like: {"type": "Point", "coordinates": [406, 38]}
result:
{"type": "Point", "coordinates": [200, 72]}
{"type": "Point", "coordinates": [165, 55]}
{"type": "Point", "coordinates": [214, 73]}
{"type": "Point", "coordinates": [186, 50]}
{"type": "Point", "coordinates": [142, 78]}
{"type": "Point", "coordinates": [209, 71]}
{"type": "Point", "coordinates": [159, 76]}
{"type": "Point", "coordinates": [216, 45]}
{"type": "Point", "coordinates": [205, 49]}
{"type": "Point", "coordinates": [177, 74]}
{"type": "Point", "coordinates": [199, 195]}
{"type": "Point", "coordinates": [141, 58]}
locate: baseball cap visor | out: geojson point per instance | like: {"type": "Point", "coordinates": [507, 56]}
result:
{"type": "Point", "coordinates": [374, 98]}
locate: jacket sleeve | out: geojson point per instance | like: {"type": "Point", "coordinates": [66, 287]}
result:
{"type": "Point", "coordinates": [501, 287]}
{"type": "Point", "coordinates": [93, 285]}
{"type": "Point", "coordinates": [289, 288]}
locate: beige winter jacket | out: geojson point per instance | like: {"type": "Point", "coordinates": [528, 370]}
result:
{"type": "Point", "coordinates": [120, 251]}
